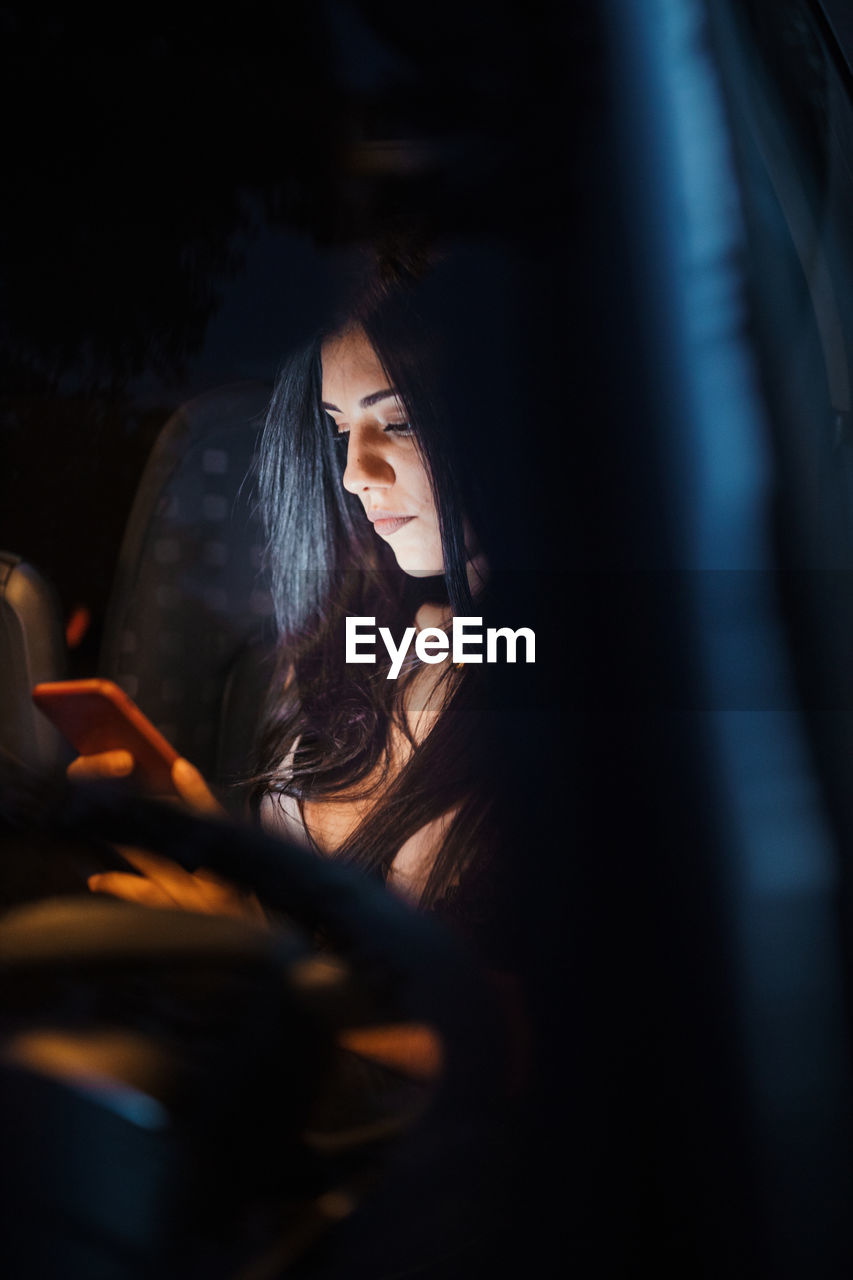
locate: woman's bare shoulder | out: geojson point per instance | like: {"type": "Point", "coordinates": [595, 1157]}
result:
{"type": "Point", "coordinates": [278, 814]}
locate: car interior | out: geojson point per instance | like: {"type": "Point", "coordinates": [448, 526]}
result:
{"type": "Point", "coordinates": [688, 963]}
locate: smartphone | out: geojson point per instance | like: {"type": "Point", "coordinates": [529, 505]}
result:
{"type": "Point", "coordinates": [96, 715]}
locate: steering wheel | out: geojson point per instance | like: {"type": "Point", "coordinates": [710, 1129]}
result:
{"type": "Point", "coordinates": [186, 1092]}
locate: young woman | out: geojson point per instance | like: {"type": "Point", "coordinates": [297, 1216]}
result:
{"type": "Point", "coordinates": [374, 503]}
{"type": "Point", "coordinates": [370, 514]}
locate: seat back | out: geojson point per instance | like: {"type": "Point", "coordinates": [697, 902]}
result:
{"type": "Point", "coordinates": [32, 649]}
{"type": "Point", "coordinates": [189, 601]}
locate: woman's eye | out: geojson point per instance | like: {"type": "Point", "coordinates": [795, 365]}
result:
{"type": "Point", "coordinates": [341, 432]}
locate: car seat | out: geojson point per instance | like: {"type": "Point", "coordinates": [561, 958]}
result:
{"type": "Point", "coordinates": [32, 649]}
{"type": "Point", "coordinates": [188, 628]}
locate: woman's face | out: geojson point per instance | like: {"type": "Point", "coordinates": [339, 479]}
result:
{"type": "Point", "coordinates": [384, 469]}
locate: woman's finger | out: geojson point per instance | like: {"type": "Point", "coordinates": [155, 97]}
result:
{"type": "Point", "coordinates": [193, 789]}
{"type": "Point", "coordinates": [106, 764]}
{"type": "Point", "coordinates": [172, 878]}
{"type": "Point", "coordinates": [232, 900]}
{"type": "Point", "coordinates": [131, 889]}
{"type": "Point", "coordinates": [209, 894]}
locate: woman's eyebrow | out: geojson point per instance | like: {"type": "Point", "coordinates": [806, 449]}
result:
{"type": "Point", "coordinates": [376, 396]}
{"type": "Point", "coordinates": [365, 403]}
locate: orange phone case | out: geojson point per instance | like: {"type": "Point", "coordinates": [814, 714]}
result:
{"type": "Point", "coordinates": [96, 715]}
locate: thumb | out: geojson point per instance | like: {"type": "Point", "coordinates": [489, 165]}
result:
{"type": "Point", "coordinates": [193, 789]}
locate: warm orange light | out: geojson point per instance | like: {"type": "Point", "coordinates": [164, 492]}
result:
{"type": "Point", "coordinates": [410, 1047]}
{"type": "Point", "coordinates": [77, 625]}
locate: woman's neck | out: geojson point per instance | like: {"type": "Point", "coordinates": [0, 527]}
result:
{"type": "Point", "coordinates": [433, 615]}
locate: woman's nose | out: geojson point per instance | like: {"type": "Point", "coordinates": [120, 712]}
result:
{"type": "Point", "coordinates": [367, 463]}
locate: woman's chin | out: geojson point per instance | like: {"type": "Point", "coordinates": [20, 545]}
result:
{"type": "Point", "coordinates": [415, 572]}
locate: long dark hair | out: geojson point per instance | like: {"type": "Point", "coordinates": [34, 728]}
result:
{"type": "Point", "coordinates": [326, 563]}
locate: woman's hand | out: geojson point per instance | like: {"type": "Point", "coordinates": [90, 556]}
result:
{"type": "Point", "coordinates": [189, 785]}
{"type": "Point", "coordinates": [164, 883]}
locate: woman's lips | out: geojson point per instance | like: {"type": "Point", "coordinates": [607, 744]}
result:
{"type": "Point", "coordinates": [386, 524]}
